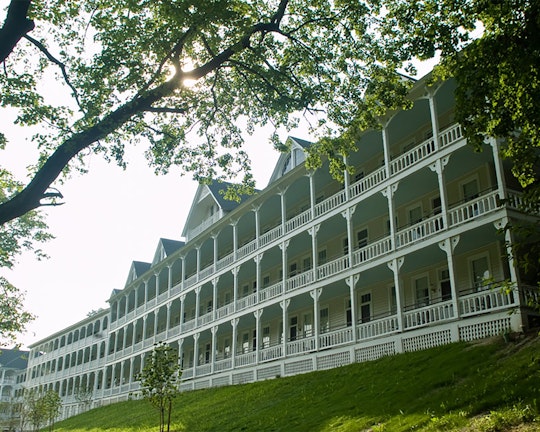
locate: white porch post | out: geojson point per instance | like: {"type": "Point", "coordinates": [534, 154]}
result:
{"type": "Point", "coordinates": [389, 194]}
{"type": "Point", "coordinates": [283, 246]}
{"type": "Point", "coordinates": [434, 116]}
{"type": "Point", "coordinates": [284, 305]}
{"type": "Point", "coordinates": [351, 282]}
{"type": "Point", "coordinates": [499, 170]}
{"type": "Point", "coordinates": [168, 323]}
{"type": "Point", "coordinates": [214, 297]}
{"type": "Point", "coordinates": [283, 209]}
{"type": "Point", "coordinates": [438, 167]}
{"type": "Point", "coordinates": [216, 253]}
{"type": "Point", "coordinates": [195, 353]}
{"type": "Point", "coordinates": [157, 277]}
{"type": "Point", "coordinates": [315, 294]}
{"type": "Point", "coordinates": [198, 249]}
{"type": "Point", "coordinates": [258, 313]}
{"type": "Point", "coordinates": [386, 150]}
{"type": "Point", "coordinates": [234, 272]}
{"type": "Point", "coordinates": [346, 179]}
{"type": "Point", "coordinates": [234, 323]}
{"type": "Point", "coordinates": [395, 266]}
{"type": "Point", "coordinates": [214, 330]}
{"type": "Point", "coordinates": [197, 304]}
{"type": "Point", "coordinates": [448, 245]}
{"type": "Point", "coordinates": [169, 277]}
{"type": "Point", "coordinates": [347, 215]}
{"type": "Point", "coordinates": [145, 318]}
{"type": "Point", "coordinates": [314, 254]}
{"type": "Point", "coordinates": [258, 259]}
{"type": "Point", "coordinates": [182, 312]}
{"type": "Point", "coordinates": [257, 224]}
{"type": "Point", "coordinates": [235, 238]}
{"type": "Point", "coordinates": [183, 275]}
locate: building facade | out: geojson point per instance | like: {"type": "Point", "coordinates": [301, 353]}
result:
{"type": "Point", "coordinates": [311, 273]}
{"type": "Point", "coordinates": [13, 366]}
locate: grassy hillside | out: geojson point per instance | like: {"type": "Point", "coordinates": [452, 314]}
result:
{"type": "Point", "coordinates": [462, 387]}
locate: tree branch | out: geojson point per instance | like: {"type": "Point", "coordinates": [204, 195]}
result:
{"type": "Point", "coordinates": [15, 27]}
{"type": "Point", "coordinates": [29, 197]}
{"type": "Point", "coordinates": [61, 65]}
{"type": "Point", "coordinates": [167, 110]}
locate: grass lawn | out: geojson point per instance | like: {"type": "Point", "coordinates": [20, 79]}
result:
{"type": "Point", "coordinates": [487, 386]}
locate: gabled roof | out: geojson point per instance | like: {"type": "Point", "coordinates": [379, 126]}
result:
{"type": "Point", "coordinates": [165, 248]}
{"type": "Point", "coordinates": [205, 196]}
{"type": "Point", "coordinates": [290, 159]}
{"type": "Point", "coordinates": [13, 358]}
{"type": "Point", "coordinates": [136, 270]}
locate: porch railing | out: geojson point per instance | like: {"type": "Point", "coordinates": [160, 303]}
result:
{"type": "Point", "coordinates": [474, 208]}
{"type": "Point", "coordinates": [377, 328]}
{"type": "Point", "coordinates": [486, 301]}
{"type": "Point", "coordinates": [428, 314]}
{"type": "Point", "coordinates": [336, 338]}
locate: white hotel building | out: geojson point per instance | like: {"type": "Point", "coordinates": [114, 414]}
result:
{"type": "Point", "coordinates": [311, 274]}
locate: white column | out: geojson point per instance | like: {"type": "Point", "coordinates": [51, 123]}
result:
{"type": "Point", "coordinates": [235, 238]}
{"type": "Point", "coordinates": [346, 179]}
{"type": "Point", "coordinates": [257, 224]}
{"type": "Point", "coordinates": [168, 323]}
{"type": "Point", "coordinates": [169, 277]}
{"type": "Point", "coordinates": [283, 246]}
{"type": "Point", "coordinates": [183, 276]}
{"type": "Point", "coordinates": [389, 194]}
{"type": "Point", "coordinates": [284, 305]}
{"type": "Point", "coordinates": [395, 266]}
{"type": "Point", "coordinates": [257, 315]}
{"type": "Point", "coordinates": [198, 249]}
{"type": "Point", "coordinates": [386, 150]}
{"type": "Point", "coordinates": [283, 210]}
{"type": "Point", "coordinates": [214, 297]}
{"type": "Point", "coordinates": [434, 117]}
{"type": "Point", "coordinates": [351, 282]}
{"type": "Point", "coordinates": [448, 245]}
{"type": "Point", "coordinates": [195, 353]}
{"type": "Point", "coordinates": [234, 272]}
{"type": "Point", "coordinates": [499, 170]}
{"type": "Point", "coordinates": [438, 167]}
{"type": "Point", "coordinates": [215, 238]}
{"type": "Point", "coordinates": [182, 311]}
{"type": "Point", "coordinates": [214, 330]}
{"type": "Point", "coordinates": [347, 214]}
{"type": "Point", "coordinates": [315, 294]}
{"type": "Point", "coordinates": [258, 259]}
{"type": "Point", "coordinates": [197, 304]}
{"type": "Point", "coordinates": [234, 323]}
{"type": "Point", "coordinates": [314, 253]}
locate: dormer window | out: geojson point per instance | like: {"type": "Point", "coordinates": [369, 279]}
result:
{"type": "Point", "coordinates": [287, 165]}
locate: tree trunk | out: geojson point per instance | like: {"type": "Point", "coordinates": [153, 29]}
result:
{"type": "Point", "coordinates": [15, 27]}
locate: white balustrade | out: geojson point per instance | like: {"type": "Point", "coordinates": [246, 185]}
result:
{"type": "Point", "coordinates": [271, 292]}
{"type": "Point", "coordinates": [246, 302]}
{"type": "Point", "coordinates": [473, 208]}
{"type": "Point", "coordinates": [428, 314]}
{"type": "Point", "coordinates": [225, 310]}
{"type": "Point", "coordinates": [377, 328]}
{"type": "Point", "coordinates": [330, 203]}
{"type": "Point", "coordinates": [246, 359]}
{"type": "Point", "coordinates": [271, 353]}
{"type": "Point", "coordinates": [368, 182]}
{"type": "Point", "coordinates": [335, 338]}
{"type": "Point", "coordinates": [450, 135]}
{"type": "Point", "coordinates": [412, 156]}
{"type": "Point", "coordinates": [372, 250]}
{"type": "Point", "coordinates": [419, 231]}
{"type": "Point", "coordinates": [298, 221]}
{"type": "Point", "coordinates": [247, 249]}
{"type": "Point", "coordinates": [301, 346]}
{"type": "Point", "coordinates": [270, 236]}
{"type": "Point", "coordinates": [333, 267]}
{"type": "Point", "coordinates": [299, 281]}
{"type": "Point", "coordinates": [486, 301]}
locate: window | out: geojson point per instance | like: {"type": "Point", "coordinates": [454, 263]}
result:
{"type": "Point", "coordinates": [348, 313]}
{"type": "Point", "coordinates": [322, 257]}
{"type": "Point", "coordinates": [306, 264]}
{"type": "Point", "coordinates": [480, 272]}
{"type": "Point", "coordinates": [308, 325]}
{"type": "Point", "coordinates": [444, 283]}
{"type": "Point", "coordinates": [345, 242]}
{"type": "Point", "coordinates": [415, 215]}
{"type": "Point", "coordinates": [359, 176]}
{"type": "Point", "coordinates": [245, 342]}
{"type": "Point", "coordinates": [324, 321]}
{"type": "Point", "coordinates": [266, 337]}
{"type": "Point", "coordinates": [470, 190]}
{"type": "Point", "coordinates": [293, 328]}
{"type": "Point", "coordinates": [362, 238]}
{"type": "Point", "coordinates": [266, 281]}
{"type": "Point", "coordinates": [421, 286]}
{"type": "Point", "coordinates": [365, 307]}
{"type": "Point", "coordinates": [293, 270]}
{"type": "Point", "coordinates": [436, 206]}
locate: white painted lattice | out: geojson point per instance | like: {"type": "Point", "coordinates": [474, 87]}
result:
{"type": "Point", "coordinates": [269, 372]}
{"type": "Point", "coordinates": [333, 360]}
{"type": "Point", "coordinates": [243, 377]}
{"type": "Point", "coordinates": [426, 341]}
{"type": "Point", "coordinates": [374, 352]}
{"type": "Point", "coordinates": [483, 330]}
{"type": "Point", "coordinates": [299, 367]}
